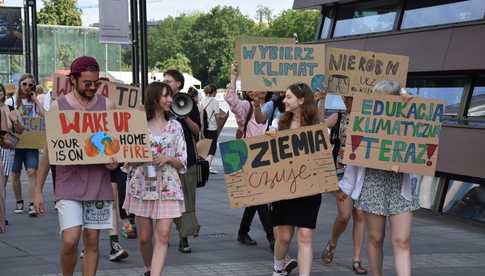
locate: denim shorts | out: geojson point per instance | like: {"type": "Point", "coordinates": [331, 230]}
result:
{"type": "Point", "coordinates": [28, 157]}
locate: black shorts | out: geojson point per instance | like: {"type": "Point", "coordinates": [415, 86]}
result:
{"type": "Point", "coordinates": [299, 212]}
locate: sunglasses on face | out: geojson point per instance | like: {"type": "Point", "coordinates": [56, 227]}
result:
{"type": "Point", "coordinates": [28, 84]}
{"type": "Point", "coordinates": [88, 83]}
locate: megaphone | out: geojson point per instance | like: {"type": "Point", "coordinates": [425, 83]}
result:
{"type": "Point", "coordinates": [182, 104]}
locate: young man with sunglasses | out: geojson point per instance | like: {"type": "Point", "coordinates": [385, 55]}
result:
{"type": "Point", "coordinates": [83, 193]}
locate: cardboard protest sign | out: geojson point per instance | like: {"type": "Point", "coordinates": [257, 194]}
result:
{"type": "Point", "coordinates": [122, 95]}
{"type": "Point", "coordinates": [61, 85]}
{"type": "Point", "coordinates": [351, 71]}
{"type": "Point", "coordinates": [274, 67]}
{"type": "Point", "coordinates": [263, 169]}
{"type": "Point", "coordinates": [33, 136]}
{"type": "Point", "coordinates": [94, 137]}
{"type": "Point", "coordinates": [388, 134]}
{"type": "Point", "coordinates": [243, 39]}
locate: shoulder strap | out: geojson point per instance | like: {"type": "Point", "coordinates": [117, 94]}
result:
{"type": "Point", "coordinates": [248, 117]}
{"type": "Point", "coordinates": [271, 118]}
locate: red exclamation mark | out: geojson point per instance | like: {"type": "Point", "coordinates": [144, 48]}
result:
{"type": "Point", "coordinates": [430, 151]}
{"type": "Point", "coordinates": [355, 139]}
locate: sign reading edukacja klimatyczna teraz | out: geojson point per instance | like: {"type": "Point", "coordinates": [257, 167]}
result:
{"type": "Point", "coordinates": [386, 133]}
{"type": "Point", "coordinates": [291, 164]}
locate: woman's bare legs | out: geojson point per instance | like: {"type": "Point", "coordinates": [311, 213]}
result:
{"type": "Point", "coordinates": [376, 226]}
{"type": "Point", "coordinates": [401, 242]}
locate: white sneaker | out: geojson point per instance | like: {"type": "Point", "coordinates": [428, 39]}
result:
{"type": "Point", "coordinates": [212, 171]}
{"type": "Point", "coordinates": [19, 207]}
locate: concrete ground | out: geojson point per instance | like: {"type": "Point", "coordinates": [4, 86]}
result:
{"type": "Point", "coordinates": [440, 245]}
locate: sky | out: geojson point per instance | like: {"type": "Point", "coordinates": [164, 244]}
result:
{"type": "Point", "coordinates": [159, 9]}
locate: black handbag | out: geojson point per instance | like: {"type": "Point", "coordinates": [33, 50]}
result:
{"type": "Point", "coordinates": [202, 172]}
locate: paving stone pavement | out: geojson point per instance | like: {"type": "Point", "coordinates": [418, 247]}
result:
{"type": "Point", "coordinates": [441, 245]}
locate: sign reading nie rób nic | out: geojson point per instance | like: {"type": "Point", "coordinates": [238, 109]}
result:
{"type": "Point", "coordinates": [352, 71]}
{"type": "Point", "coordinates": [386, 133]}
{"type": "Point", "coordinates": [274, 67]}
{"type": "Point", "coordinates": [95, 137]}
{"type": "Point", "coordinates": [291, 164]}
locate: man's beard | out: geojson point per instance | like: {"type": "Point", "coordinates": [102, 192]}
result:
{"type": "Point", "coordinates": [83, 94]}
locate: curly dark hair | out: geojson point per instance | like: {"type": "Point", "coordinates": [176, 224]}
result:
{"type": "Point", "coordinates": [154, 91]}
{"type": "Point", "coordinates": [309, 110]}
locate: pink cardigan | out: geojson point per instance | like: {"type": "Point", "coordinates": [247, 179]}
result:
{"type": "Point", "coordinates": [240, 108]}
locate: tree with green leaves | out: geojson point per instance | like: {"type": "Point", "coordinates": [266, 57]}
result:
{"type": "Point", "coordinates": [303, 23]}
{"type": "Point", "coordinates": [60, 12]}
{"type": "Point", "coordinates": [210, 43]}
{"type": "Point", "coordinates": [179, 62]}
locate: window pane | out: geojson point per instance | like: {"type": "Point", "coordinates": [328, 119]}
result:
{"type": "Point", "coordinates": [466, 200]}
{"type": "Point", "coordinates": [325, 28]}
{"type": "Point", "coordinates": [368, 18]}
{"type": "Point", "coordinates": [477, 103]}
{"type": "Point", "coordinates": [449, 90]}
{"type": "Point", "coordinates": [428, 13]}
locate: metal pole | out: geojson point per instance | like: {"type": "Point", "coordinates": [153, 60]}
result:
{"type": "Point", "coordinates": [135, 61]}
{"type": "Point", "coordinates": [143, 44]}
{"type": "Point", "coordinates": [35, 59]}
{"type": "Point", "coordinates": [28, 67]}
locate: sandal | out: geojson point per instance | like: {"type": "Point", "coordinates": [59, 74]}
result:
{"type": "Point", "coordinates": [358, 269]}
{"type": "Point", "coordinates": [327, 254]}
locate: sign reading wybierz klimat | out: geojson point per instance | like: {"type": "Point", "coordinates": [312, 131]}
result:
{"type": "Point", "coordinates": [274, 67]}
{"type": "Point", "coordinates": [95, 137]}
{"type": "Point", "coordinates": [292, 164]}
{"type": "Point", "coordinates": [386, 133]}
{"type": "Point", "coordinates": [351, 71]}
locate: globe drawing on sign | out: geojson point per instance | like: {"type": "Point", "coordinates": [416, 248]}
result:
{"type": "Point", "coordinates": [102, 144]}
{"type": "Point", "coordinates": [234, 155]}
{"type": "Point", "coordinates": [318, 82]}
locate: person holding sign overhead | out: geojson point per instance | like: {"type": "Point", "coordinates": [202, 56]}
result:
{"type": "Point", "coordinates": [384, 195]}
{"type": "Point", "coordinates": [154, 191]}
{"type": "Point", "coordinates": [248, 126]}
{"type": "Point", "coordinates": [300, 110]}
{"type": "Point", "coordinates": [26, 105]}
{"type": "Point", "coordinates": [83, 193]}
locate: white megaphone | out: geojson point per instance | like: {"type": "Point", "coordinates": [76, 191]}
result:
{"type": "Point", "coordinates": [182, 104]}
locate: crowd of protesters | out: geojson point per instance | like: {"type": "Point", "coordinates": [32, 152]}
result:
{"type": "Point", "coordinates": [133, 196]}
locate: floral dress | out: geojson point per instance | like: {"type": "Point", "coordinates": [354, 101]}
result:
{"type": "Point", "coordinates": [159, 194]}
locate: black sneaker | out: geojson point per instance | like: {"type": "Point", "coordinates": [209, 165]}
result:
{"type": "Point", "coordinates": [117, 252]}
{"type": "Point", "coordinates": [246, 239]}
{"type": "Point", "coordinates": [32, 211]}
{"type": "Point", "coordinates": [290, 265]}
{"type": "Point", "coordinates": [184, 246]}
{"type": "Point", "coordinates": [279, 273]}
{"type": "Point", "coordinates": [19, 207]}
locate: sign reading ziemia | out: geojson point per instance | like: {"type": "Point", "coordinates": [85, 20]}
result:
{"type": "Point", "coordinates": [33, 136]}
{"type": "Point", "coordinates": [352, 71]}
{"type": "Point", "coordinates": [95, 137]}
{"type": "Point", "coordinates": [292, 164]}
{"type": "Point", "coordinates": [274, 67]}
{"type": "Point", "coordinates": [388, 134]}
